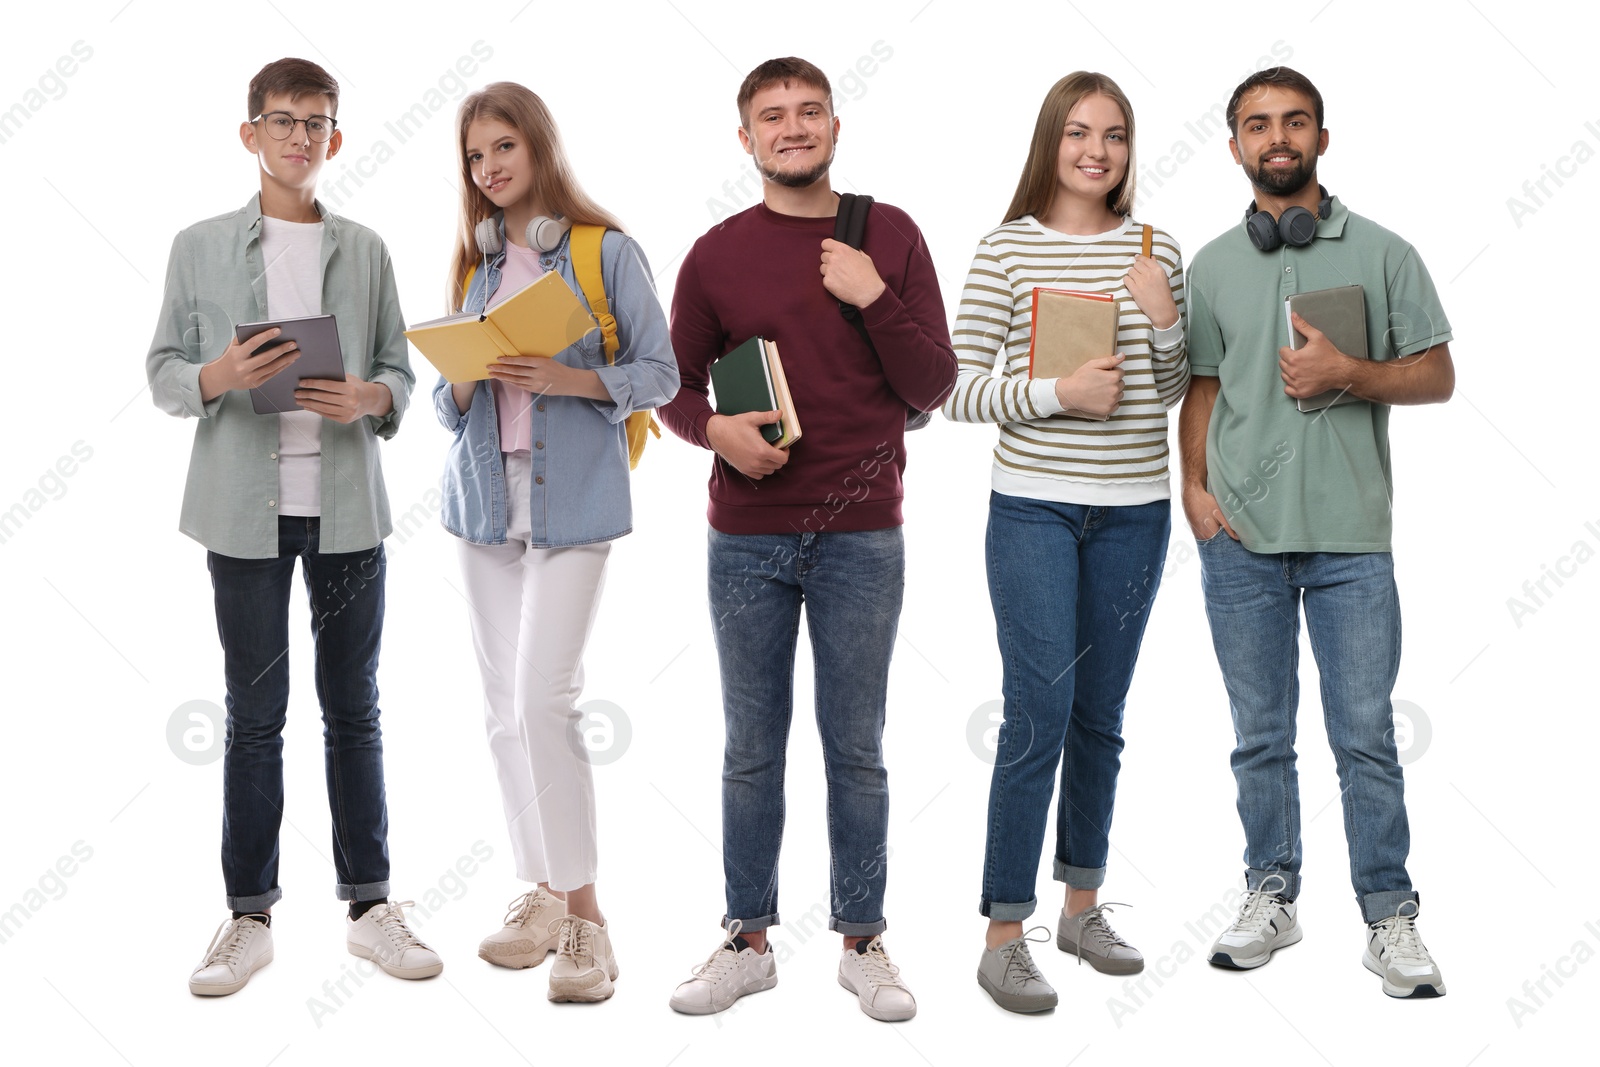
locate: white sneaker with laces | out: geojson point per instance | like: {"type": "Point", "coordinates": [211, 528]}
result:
{"type": "Point", "coordinates": [585, 966]}
{"type": "Point", "coordinates": [526, 937]}
{"type": "Point", "coordinates": [727, 974]}
{"type": "Point", "coordinates": [1396, 953]}
{"type": "Point", "coordinates": [239, 948]}
{"type": "Point", "coordinates": [866, 971]}
{"type": "Point", "coordinates": [1265, 924]}
{"type": "Point", "coordinates": [382, 936]}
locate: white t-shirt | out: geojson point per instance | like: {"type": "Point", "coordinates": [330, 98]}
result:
{"type": "Point", "coordinates": [292, 252]}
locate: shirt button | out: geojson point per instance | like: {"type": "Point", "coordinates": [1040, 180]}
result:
{"type": "Point", "coordinates": [538, 479]}
{"type": "Point", "coordinates": [540, 406]}
{"type": "Point", "coordinates": [272, 503]}
{"type": "Point", "coordinates": [272, 455]}
{"type": "Point", "coordinates": [1288, 270]}
{"type": "Point", "coordinates": [538, 444]}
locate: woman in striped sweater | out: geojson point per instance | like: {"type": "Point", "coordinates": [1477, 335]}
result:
{"type": "Point", "coordinates": [1079, 514]}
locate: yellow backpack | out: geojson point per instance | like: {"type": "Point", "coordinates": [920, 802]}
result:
{"type": "Point", "coordinates": [585, 246]}
{"type": "Point", "coordinates": [586, 266]}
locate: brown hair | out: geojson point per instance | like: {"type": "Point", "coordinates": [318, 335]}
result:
{"type": "Point", "coordinates": [1036, 189]}
{"type": "Point", "coordinates": [781, 71]}
{"type": "Point", "coordinates": [555, 187]}
{"type": "Point", "coordinates": [297, 77]}
{"type": "Point", "coordinates": [1279, 77]}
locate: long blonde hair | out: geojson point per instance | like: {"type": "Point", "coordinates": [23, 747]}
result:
{"type": "Point", "coordinates": [1036, 189]}
{"type": "Point", "coordinates": [554, 185]}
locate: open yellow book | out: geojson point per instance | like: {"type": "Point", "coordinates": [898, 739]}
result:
{"type": "Point", "coordinates": [540, 319]}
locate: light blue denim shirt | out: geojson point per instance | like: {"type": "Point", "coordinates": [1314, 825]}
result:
{"type": "Point", "coordinates": [579, 477]}
{"type": "Point", "coordinates": [215, 280]}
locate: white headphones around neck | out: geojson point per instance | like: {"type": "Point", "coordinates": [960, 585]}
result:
{"type": "Point", "coordinates": [543, 233]}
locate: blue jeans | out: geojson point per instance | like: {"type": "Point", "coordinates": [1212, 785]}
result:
{"type": "Point", "coordinates": [1352, 608]}
{"type": "Point", "coordinates": [851, 585]}
{"type": "Point", "coordinates": [252, 603]}
{"type": "Point", "coordinates": [1072, 587]}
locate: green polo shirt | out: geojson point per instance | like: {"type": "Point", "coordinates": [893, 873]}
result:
{"type": "Point", "coordinates": [1288, 480]}
{"type": "Point", "coordinates": [215, 280]}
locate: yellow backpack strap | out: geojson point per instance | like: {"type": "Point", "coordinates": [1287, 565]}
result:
{"type": "Point", "coordinates": [586, 265]}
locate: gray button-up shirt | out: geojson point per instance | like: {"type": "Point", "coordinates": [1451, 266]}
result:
{"type": "Point", "coordinates": [215, 280]}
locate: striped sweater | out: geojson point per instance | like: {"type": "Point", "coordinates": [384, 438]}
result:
{"type": "Point", "coordinates": [1042, 452]}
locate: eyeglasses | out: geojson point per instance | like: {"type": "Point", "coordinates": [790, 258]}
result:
{"type": "Point", "coordinates": [280, 124]}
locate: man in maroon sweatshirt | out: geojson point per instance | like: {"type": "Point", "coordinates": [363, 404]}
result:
{"type": "Point", "coordinates": [818, 523]}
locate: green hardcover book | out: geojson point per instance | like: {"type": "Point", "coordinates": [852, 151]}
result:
{"type": "Point", "coordinates": [750, 378]}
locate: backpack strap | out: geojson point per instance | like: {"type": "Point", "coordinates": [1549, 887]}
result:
{"type": "Point", "coordinates": [585, 250]}
{"type": "Point", "coordinates": [849, 227]}
{"type": "Point", "coordinates": [1149, 237]}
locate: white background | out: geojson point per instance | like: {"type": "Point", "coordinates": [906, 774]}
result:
{"type": "Point", "coordinates": [1439, 113]}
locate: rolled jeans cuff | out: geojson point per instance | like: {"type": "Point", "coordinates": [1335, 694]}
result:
{"type": "Point", "coordinates": [857, 929]}
{"type": "Point", "coordinates": [1253, 877]}
{"type": "Point", "coordinates": [747, 926]}
{"type": "Point", "coordinates": [1080, 877]}
{"type": "Point", "coordinates": [1002, 912]}
{"type": "Point", "coordinates": [364, 891]}
{"type": "Point", "coordinates": [259, 902]}
{"type": "Point", "coordinates": [1376, 907]}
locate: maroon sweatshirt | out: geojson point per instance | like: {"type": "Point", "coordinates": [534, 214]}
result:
{"type": "Point", "coordinates": [759, 273]}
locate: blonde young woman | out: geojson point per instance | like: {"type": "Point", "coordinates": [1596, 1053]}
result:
{"type": "Point", "coordinates": [536, 488]}
{"type": "Point", "coordinates": [1079, 516]}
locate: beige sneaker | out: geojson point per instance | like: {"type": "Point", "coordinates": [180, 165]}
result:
{"type": "Point", "coordinates": [525, 938]}
{"type": "Point", "coordinates": [239, 948]}
{"type": "Point", "coordinates": [585, 967]}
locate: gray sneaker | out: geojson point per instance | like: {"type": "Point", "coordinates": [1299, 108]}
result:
{"type": "Point", "coordinates": [1088, 936]}
{"type": "Point", "coordinates": [1395, 952]}
{"type": "Point", "coordinates": [1007, 973]}
{"type": "Point", "coordinates": [1265, 924]}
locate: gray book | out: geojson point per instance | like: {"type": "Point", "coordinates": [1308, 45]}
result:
{"type": "Point", "coordinates": [1341, 314]}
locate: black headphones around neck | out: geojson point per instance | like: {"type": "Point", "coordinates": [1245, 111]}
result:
{"type": "Point", "coordinates": [1295, 227]}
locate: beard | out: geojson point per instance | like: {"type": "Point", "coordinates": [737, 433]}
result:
{"type": "Point", "coordinates": [800, 179]}
{"type": "Point", "coordinates": [1281, 183]}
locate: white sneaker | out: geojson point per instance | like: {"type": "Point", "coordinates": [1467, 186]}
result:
{"type": "Point", "coordinates": [1265, 924]}
{"type": "Point", "coordinates": [866, 971]}
{"type": "Point", "coordinates": [726, 975]}
{"type": "Point", "coordinates": [382, 936]}
{"type": "Point", "coordinates": [585, 966]}
{"type": "Point", "coordinates": [1395, 951]}
{"type": "Point", "coordinates": [239, 948]}
{"type": "Point", "coordinates": [526, 937]}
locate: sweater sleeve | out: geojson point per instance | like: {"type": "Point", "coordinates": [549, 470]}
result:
{"type": "Point", "coordinates": [908, 331]}
{"type": "Point", "coordinates": [697, 338]}
{"type": "Point", "coordinates": [1170, 362]}
{"type": "Point", "coordinates": [983, 322]}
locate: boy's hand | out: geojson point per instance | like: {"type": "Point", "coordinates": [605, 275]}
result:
{"type": "Point", "coordinates": [849, 275]}
{"type": "Point", "coordinates": [737, 439]}
{"type": "Point", "coordinates": [246, 364]}
{"type": "Point", "coordinates": [344, 401]}
{"type": "Point", "coordinates": [1315, 367]}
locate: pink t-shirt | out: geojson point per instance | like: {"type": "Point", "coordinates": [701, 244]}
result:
{"type": "Point", "coordinates": [511, 402]}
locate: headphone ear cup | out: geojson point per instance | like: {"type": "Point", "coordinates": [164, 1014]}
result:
{"type": "Point", "coordinates": [487, 234]}
{"type": "Point", "coordinates": [545, 233]}
{"type": "Point", "coordinates": [1297, 227]}
{"type": "Point", "coordinates": [1263, 231]}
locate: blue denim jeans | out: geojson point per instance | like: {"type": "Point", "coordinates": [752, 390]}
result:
{"type": "Point", "coordinates": [252, 603]}
{"type": "Point", "coordinates": [1072, 587]}
{"type": "Point", "coordinates": [851, 585]}
{"type": "Point", "coordinates": [1353, 618]}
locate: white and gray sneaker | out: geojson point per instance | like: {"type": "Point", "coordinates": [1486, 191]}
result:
{"type": "Point", "coordinates": [527, 937]}
{"type": "Point", "coordinates": [1088, 936]}
{"type": "Point", "coordinates": [1008, 974]}
{"type": "Point", "coordinates": [1265, 924]}
{"type": "Point", "coordinates": [382, 936]}
{"type": "Point", "coordinates": [239, 948]}
{"type": "Point", "coordinates": [730, 972]}
{"type": "Point", "coordinates": [866, 971]}
{"type": "Point", "coordinates": [1396, 953]}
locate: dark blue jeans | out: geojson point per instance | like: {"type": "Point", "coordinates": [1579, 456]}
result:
{"type": "Point", "coordinates": [851, 585]}
{"type": "Point", "coordinates": [252, 602]}
{"type": "Point", "coordinates": [1071, 587]}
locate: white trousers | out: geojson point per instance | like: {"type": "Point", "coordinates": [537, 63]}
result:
{"type": "Point", "coordinates": [532, 610]}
